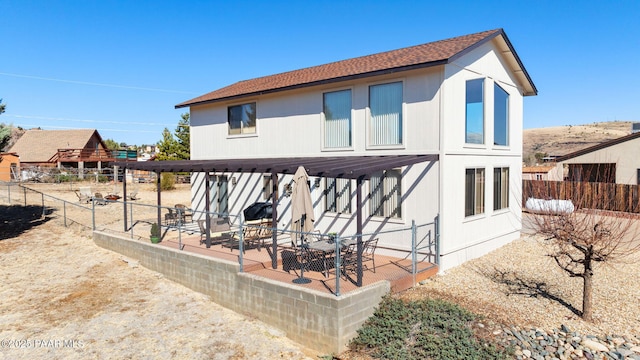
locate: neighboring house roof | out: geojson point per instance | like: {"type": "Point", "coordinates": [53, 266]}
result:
{"type": "Point", "coordinates": [41, 145]}
{"type": "Point", "coordinates": [537, 169]}
{"type": "Point", "coordinates": [414, 57]}
{"type": "Point", "coordinates": [597, 147]}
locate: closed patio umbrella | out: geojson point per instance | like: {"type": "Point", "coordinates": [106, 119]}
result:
{"type": "Point", "coordinates": [302, 216]}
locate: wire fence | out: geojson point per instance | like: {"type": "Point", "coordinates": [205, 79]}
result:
{"type": "Point", "coordinates": [335, 262]}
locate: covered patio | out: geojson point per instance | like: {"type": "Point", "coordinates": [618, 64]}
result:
{"type": "Point", "coordinates": [268, 263]}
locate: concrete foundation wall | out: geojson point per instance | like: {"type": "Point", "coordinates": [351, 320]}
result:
{"type": "Point", "coordinates": [317, 320]}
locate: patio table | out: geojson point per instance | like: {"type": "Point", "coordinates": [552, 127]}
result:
{"type": "Point", "coordinates": [326, 249]}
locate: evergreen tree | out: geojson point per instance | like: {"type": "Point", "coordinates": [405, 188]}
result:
{"type": "Point", "coordinates": [176, 146]}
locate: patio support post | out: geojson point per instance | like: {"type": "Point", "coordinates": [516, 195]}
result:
{"type": "Point", "coordinates": [207, 208]}
{"type": "Point", "coordinates": [124, 193]}
{"type": "Point", "coordinates": [158, 175]}
{"type": "Point", "coordinates": [274, 219]}
{"type": "Point", "coordinates": [359, 182]}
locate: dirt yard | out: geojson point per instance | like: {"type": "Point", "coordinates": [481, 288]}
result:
{"type": "Point", "coordinates": [63, 297]}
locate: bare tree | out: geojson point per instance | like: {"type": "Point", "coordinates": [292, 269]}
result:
{"type": "Point", "coordinates": [581, 238]}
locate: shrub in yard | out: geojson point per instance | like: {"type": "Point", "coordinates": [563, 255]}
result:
{"type": "Point", "coordinates": [425, 329]}
{"type": "Point", "coordinates": [167, 181]}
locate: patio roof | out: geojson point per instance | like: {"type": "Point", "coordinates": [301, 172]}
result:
{"type": "Point", "coordinates": [348, 167]}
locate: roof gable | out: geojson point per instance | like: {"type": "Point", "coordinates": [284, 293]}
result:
{"type": "Point", "coordinates": [419, 56]}
{"type": "Point", "coordinates": [41, 145]}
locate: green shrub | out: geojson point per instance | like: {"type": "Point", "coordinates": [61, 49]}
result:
{"type": "Point", "coordinates": [425, 329]}
{"type": "Point", "coordinates": [167, 181]}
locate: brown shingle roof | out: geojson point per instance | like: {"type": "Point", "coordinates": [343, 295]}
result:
{"type": "Point", "coordinates": [425, 55]}
{"type": "Point", "coordinates": [41, 145]}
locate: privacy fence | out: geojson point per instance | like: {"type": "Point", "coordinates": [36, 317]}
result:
{"type": "Point", "coordinates": [592, 195]}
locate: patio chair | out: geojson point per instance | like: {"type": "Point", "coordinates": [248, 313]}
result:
{"type": "Point", "coordinates": [219, 230]}
{"type": "Point", "coordinates": [84, 194]}
{"type": "Point", "coordinates": [133, 195]}
{"type": "Point", "coordinates": [349, 256]}
{"type": "Point", "coordinates": [99, 199]}
{"type": "Point", "coordinates": [170, 218]}
{"type": "Point", "coordinates": [183, 212]}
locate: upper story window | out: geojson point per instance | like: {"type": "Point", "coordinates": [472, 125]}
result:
{"type": "Point", "coordinates": [242, 119]}
{"type": "Point", "coordinates": [337, 119]}
{"type": "Point", "coordinates": [474, 192]}
{"type": "Point", "coordinates": [338, 195]}
{"type": "Point", "coordinates": [500, 116]}
{"type": "Point", "coordinates": [385, 104]}
{"type": "Point", "coordinates": [474, 121]}
{"type": "Point", "coordinates": [386, 195]}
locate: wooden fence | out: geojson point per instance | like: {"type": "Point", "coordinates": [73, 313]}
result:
{"type": "Point", "coordinates": [602, 196]}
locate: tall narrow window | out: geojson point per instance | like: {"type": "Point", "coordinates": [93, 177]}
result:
{"type": "Point", "coordinates": [474, 192]}
{"type": "Point", "coordinates": [337, 119]}
{"type": "Point", "coordinates": [338, 196]}
{"type": "Point", "coordinates": [242, 119]}
{"type": "Point", "coordinates": [500, 116]}
{"type": "Point", "coordinates": [385, 197]}
{"type": "Point", "coordinates": [474, 124]}
{"type": "Point", "coordinates": [385, 104]}
{"type": "Point", "coordinates": [500, 188]}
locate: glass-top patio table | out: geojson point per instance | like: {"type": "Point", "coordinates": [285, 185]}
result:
{"type": "Point", "coordinates": [326, 248]}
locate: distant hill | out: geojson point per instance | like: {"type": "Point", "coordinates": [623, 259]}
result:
{"type": "Point", "coordinates": [561, 140]}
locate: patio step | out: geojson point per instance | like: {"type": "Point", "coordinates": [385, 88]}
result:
{"type": "Point", "coordinates": [404, 282]}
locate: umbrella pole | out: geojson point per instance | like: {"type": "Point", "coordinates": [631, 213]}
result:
{"type": "Point", "coordinates": [303, 247]}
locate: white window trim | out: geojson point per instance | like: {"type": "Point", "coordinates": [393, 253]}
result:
{"type": "Point", "coordinates": [484, 115]}
{"type": "Point", "coordinates": [508, 146]}
{"type": "Point", "coordinates": [368, 145]}
{"type": "Point", "coordinates": [226, 112]}
{"type": "Point", "coordinates": [323, 121]}
{"type": "Point", "coordinates": [483, 214]}
{"type": "Point", "coordinates": [510, 203]}
{"type": "Point", "coordinates": [397, 220]}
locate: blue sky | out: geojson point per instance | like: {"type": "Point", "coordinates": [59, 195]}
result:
{"type": "Point", "coordinates": [121, 66]}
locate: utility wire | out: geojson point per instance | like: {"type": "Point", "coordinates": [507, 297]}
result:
{"type": "Point", "coordinates": [97, 84]}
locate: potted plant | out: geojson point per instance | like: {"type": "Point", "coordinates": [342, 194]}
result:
{"type": "Point", "coordinates": [155, 233]}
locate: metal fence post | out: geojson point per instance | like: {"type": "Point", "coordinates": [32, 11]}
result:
{"type": "Point", "coordinates": [93, 213]}
{"type": "Point", "coordinates": [338, 264]}
{"type": "Point", "coordinates": [241, 246]}
{"type": "Point", "coordinates": [43, 212]}
{"type": "Point", "coordinates": [64, 212]}
{"type": "Point", "coordinates": [131, 217]}
{"type": "Point", "coordinates": [24, 189]}
{"type": "Point", "coordinates": [437, 229]}
{"type": "Point", "coordinates": [414, 251]}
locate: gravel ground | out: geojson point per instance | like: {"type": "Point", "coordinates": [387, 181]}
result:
{"type": "Point", "coordinates": [59, 285]}
{"type": "Point", "coordinates": [63, 297]}
{"type": "Point", "coordinates": [519, 285]}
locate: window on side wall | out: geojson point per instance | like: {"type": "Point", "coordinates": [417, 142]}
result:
{"type": "Point", "coordinates": [500, 188]}
{"type": "Point", "coordinates": [474, 115]}
{"type": "Point", "coordinates": [242, 119]}
{"type": "Point", "coordinates": [337, 119]}
{"type": "Point", "coordinates": [474, 192]}
{"type": "Point", "coordinates": [338, 195]}
{"type": "Point", "coordinates": [385, 194]}
{"type": "Point", "coordinates": [385, 105]}
{"type": "Point", "coordinates": [500, 116]}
